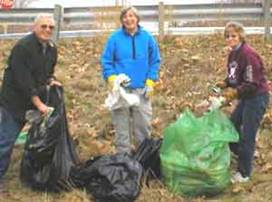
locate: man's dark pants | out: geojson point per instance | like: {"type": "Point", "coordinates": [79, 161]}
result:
{"type": "Point", "coordinates": [9, 131]}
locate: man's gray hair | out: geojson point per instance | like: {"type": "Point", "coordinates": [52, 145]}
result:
{"type": "Point", "coordinates": [43, 15]}
{"type": "Point", "coordinates": [129, 8]}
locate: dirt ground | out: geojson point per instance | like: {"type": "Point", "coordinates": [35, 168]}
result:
{"type": "Point", "coordinates": [191, 64]}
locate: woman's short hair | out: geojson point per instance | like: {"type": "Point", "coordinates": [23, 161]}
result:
{"type": "Point", "coordinates": [237, 27]}
{"type": "Point", "coordinates": [130, 8]}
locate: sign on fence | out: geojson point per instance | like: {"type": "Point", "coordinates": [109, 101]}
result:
{"type": "Point", "coordinates": [6, 4]}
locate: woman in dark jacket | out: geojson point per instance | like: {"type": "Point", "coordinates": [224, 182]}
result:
{"type": "Point", "coordinates": [245, 81]}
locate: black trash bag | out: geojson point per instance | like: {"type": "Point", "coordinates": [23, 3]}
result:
{"type": "Point", "coordinates": [148, 154]}
{"type": "Point", "coordinates": [114, 178]}
{"type": "Point", "coordinates": [49, 150]}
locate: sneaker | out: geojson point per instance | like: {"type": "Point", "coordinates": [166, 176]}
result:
{"type": "Point", "coordinates": [238, 178]}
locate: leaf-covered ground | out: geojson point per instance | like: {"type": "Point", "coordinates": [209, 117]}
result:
{"type": "Point", "coordinates": [190, 66]}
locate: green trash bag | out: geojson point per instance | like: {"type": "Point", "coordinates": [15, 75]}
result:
{"type": "Point", "coordinates": [21, 138]}
{"type": "Point", "coordinates": [195, 156]}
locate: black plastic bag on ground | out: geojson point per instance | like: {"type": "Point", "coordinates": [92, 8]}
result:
{"type": "Point", "coordinates": [49, 150]}
{"type": "Point", "coordinates": [114, 178]}
{"type": "Point", "coordinates": [148, 154]}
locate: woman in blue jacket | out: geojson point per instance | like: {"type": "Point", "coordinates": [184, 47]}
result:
{"type": "Point", "coordinates": [133, 51]}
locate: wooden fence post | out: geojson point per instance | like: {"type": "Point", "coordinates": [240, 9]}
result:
{"type": "Point", "coordinates": [267, 19]}
{"type": "Point", "coordinates": [58, 12]}
{"type": "Point", "coordinates": [161, 20]}
{"type": "Point", "coordinates": [5, 27]}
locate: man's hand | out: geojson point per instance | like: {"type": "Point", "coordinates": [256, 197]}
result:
{"type": "Point", "coordinates": [149, 88]}
{"type": "Point", "coordinates": [43, 108]}
{"type": "Point", "coordinates": [230, 94]}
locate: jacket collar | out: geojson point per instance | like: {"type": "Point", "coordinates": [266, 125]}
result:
{"type": "Point", "coordinates": [238, 46]}
{"type": "Point", "coordinates": [139, 29]}
{"type": "Point", "coordinates": [39, 43]}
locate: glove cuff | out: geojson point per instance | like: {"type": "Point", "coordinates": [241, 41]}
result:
{"type": "Point", "coordinates": [112, 78]}
{"type": "Point", "coordinates": [149, 83]}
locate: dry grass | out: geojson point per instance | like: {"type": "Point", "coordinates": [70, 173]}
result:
{"type": "Point", "coordinates": [190, 65]}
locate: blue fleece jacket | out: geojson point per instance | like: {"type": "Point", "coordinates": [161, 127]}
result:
{"type": "Point", "coordinates": [136, 56]}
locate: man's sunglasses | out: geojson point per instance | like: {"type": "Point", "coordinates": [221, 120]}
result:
{"type": "Point", "coordinates": [51, 27]}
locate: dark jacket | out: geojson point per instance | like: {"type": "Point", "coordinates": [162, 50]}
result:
{"type": "Point", "coordinates": [246, 72]}
{"type": "Point", "coordinates": [28, 70]}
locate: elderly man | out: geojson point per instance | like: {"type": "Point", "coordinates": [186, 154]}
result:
{"type": "Point", "coordinates": [29, 69]}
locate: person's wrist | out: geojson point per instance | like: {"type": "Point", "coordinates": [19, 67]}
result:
{"type": "Point", "coordinates": [42, 108]}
